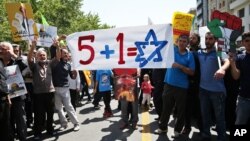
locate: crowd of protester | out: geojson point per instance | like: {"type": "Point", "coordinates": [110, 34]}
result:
{"type": "Point", "coordinates": [197, 91]}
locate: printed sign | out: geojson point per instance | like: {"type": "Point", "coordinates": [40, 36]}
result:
{"type": "Point", "coordinates": [46, 35]}
{"type": "Point", "coordinates": [227, 28]}
{"type": "Point", "coordinates": [182, 24]}
{"type": "Point", "coordinates": [15, 84]}
{"type": "Point", "coordinates": [21, 21]}
{"type": "Point", "coordinates": [135, 47]}
{"type": "Point", "coordinates": [125, 84]}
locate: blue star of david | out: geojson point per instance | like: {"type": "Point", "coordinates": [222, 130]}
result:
{"type": "Point", "coordinates": [143, 44]}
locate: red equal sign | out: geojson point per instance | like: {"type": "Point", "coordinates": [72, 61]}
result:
{"type": "Point", "coordinates": [132, 51]}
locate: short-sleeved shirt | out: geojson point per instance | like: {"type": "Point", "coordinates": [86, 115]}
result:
{"type": "Point", "coordinates": [175, 76]}
{"type": "Point", "coordinates": [208, 67]}
{"type": "Point", "coordinates": [243, 64]}
{"type": "Point", "coordinates": [103, 78]}
{"type": "Point", "coordinates": [60, 72]}
{"type": "Point", "coordinates": [42, 77]}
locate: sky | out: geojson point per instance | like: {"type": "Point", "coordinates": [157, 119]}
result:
{"type": "Point", "coordinates": [125, 13]}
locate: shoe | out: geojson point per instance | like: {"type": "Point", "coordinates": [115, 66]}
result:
{"type": "Point", "coordinates": [160, 131]}
{"type": "Point", "coordinates": [96, 107]}
{"type": "Point", "coordinates": [125, 125]}
{"type": "Point", "coordinates": [37, 138]}
{"type": "Point", "coordinates": [176, 135]}
{"type": "Point", "coordinates": [50, 133]}
{"type": "Point", "coordinates": [63, 127]}
{"type": "Point", "coordinates": [186, 131]}
{"type": "Point", "coordinates": [134, 126]}
{"type": "Point", "coordinates": [76, 127]}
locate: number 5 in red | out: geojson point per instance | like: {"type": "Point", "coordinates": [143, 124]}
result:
{"type": "Point", "coordinates": [87, 47]}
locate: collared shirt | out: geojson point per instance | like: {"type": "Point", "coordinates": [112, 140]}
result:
{"type": "Point", "coordinates": [208, 67]}
{"type": "Point", "coordinates": [42, 77]}
{"type": "Point", "coordinates": [243, 64]}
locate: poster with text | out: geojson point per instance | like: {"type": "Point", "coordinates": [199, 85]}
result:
{"type": "Point", "coordinates": [21, 21]}
{"type": "Point", "coordinates": [182, 24]}
{"type": "Point", "coordinates": [15, 82]}
{"type": "Point", "coordinates": [46, 35]}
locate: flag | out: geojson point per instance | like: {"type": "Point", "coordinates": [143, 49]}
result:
{"type": "Point", "coordinates": [44, 22]}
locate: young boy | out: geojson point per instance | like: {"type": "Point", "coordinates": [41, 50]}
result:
{"type": "Point", "coordinates": [103, 85]}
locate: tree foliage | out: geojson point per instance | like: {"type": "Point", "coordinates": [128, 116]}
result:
{"type": "Point", "coordinates": [66, 15]}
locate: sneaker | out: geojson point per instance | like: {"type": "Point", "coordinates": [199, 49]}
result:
{"type": "Point", "coordinates": [176, 135]}
{"type": "Point", "coordinates": [63, 127]}
{"type": "Point", "coordinates": [76, 127]}
{"type": "Point", "coordinates": [123, 126]}
{"type": "Point", "coordinates": [160, 131]}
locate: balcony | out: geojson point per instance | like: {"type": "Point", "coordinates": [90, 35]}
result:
{"type": "Point", "coordinates": [237, 3]}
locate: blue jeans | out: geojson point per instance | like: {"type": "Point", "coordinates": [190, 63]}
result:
{"type": "Point", "coordinates": [242, 111]}
{"type": "Point", "coordinates": [215, 100]}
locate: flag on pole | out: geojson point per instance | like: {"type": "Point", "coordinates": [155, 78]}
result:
{"type": "Point", "coordinates": [44, 21]}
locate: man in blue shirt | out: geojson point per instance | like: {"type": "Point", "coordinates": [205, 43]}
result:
{"type": "Point", "coordinates": [240, 70]}
{"type": "Point", "coordinates": [176, 85]}
{"type": "Point", "coordinates": [212, 89]}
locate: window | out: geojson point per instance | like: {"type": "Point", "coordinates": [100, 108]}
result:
{"type": "Point", "coordinates": [249, 11]}
{"type": "Point", "coordinates": [223, 3]}
{"type": "Point", "coordinates": [241, 12]}
{"type": "Point", "coordinates": [220, 5]}
{"type": "Point", "coordinates": [243, 29]}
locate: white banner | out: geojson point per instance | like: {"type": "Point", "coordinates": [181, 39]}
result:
{"type": "Point", "coordinates": [46, 35]}
{"type": "Point", "coordinates": [132, 47]}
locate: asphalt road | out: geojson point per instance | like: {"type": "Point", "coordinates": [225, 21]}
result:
{"type": "Point", "coordinates": [96, 128]}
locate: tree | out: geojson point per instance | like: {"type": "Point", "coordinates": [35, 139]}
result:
{"type": "Point", "coordinates": [66, 15]}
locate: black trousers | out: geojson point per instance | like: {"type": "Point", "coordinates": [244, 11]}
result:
{"type": "Point", "coordinates": [193, 110]}
{"type": "Point", "coordinates": [5, 129]}
{"type": "Point", "coordinates": [106, 99]}
{"type": "Point", "coordinates": [157, 97]}
{"type": "Point", "coordinates": [43, 109]}
{"type": "Point", "coordinates": [18, 118]}
{"type": "Point", "coordinates": [173, 96]}
{"type": "Point", "coordinates": [29, 103]}
{"type": "Point", "coordinates": [73, 97]}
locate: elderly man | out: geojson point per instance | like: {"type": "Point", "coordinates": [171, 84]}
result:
{"type": "Point", "coordinates": [43, 91]}
{"type": "Point", "coordinates": [8, 58]}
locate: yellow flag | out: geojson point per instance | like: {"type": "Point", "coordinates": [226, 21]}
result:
{"type": "Point", "coordinates": [87, 75]}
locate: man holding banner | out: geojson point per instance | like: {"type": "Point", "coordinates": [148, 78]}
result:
{"type": "Point", "coordinates": [176, 86]}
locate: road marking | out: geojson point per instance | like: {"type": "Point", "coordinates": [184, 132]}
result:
{"type": "Point", "coordinates": [146, 135]}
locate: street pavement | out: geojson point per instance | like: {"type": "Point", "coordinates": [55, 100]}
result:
{"type": "Point", "coordinates": [93, 127]}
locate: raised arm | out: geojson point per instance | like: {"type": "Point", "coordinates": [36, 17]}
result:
{"type": "Point", "coordinates": [30, 55]}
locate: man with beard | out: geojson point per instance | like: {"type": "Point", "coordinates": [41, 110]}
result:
{"type": "Point", "coordinates": [212, 91]}
{"type": "Point", "coordinates": [43, 91]}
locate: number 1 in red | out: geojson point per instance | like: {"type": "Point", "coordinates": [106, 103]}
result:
{"type": "Point", "coordinates": [120, 39]}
